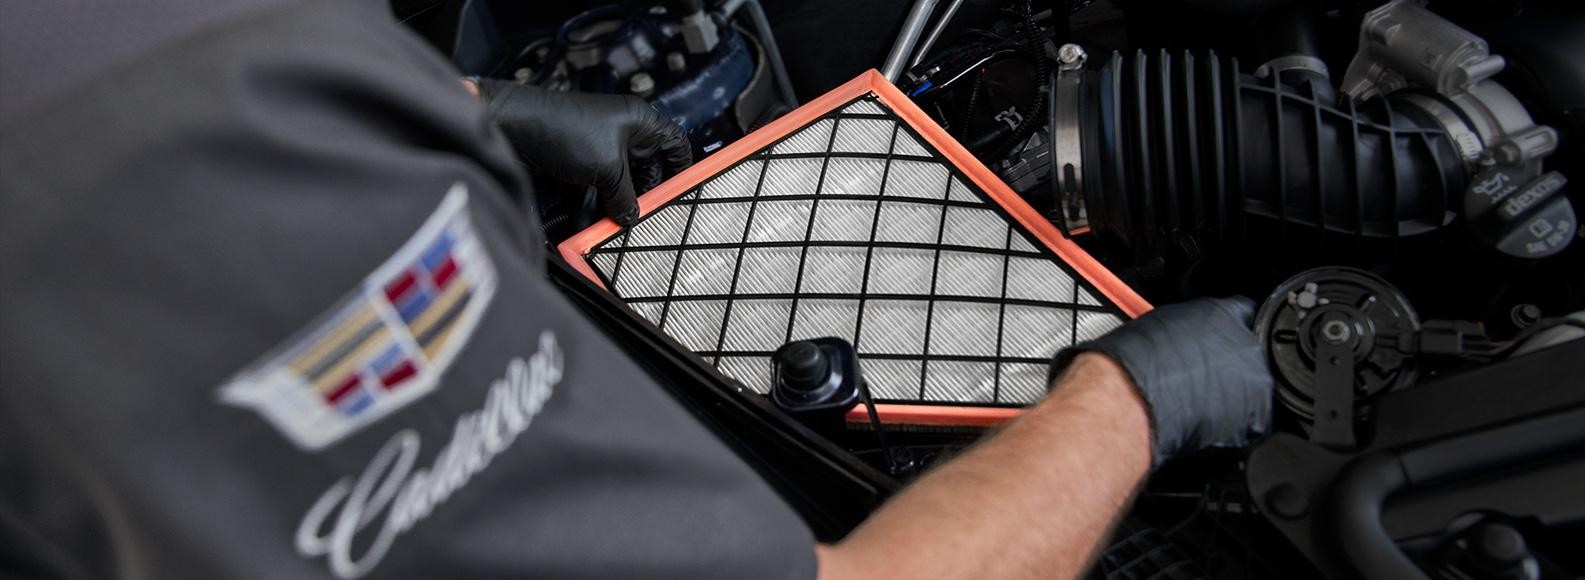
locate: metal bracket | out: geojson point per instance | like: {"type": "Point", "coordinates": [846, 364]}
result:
{"type": "Point", "coordinates": [1334, 387]}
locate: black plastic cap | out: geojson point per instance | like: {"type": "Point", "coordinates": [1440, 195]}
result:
{"type": "Point", "coordinates": [1500, 546]}
{"type": "Point", "coordinates": [804, 366]}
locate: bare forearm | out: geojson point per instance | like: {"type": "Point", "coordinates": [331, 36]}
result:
{"type": "Point", "coordinates": [1032, 501]}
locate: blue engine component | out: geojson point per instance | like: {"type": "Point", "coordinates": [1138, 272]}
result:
{"type": "Point", "coordinates": [713, 78]}
{"type": "Point", "coordinates": [702, 103]}
{"type": "Point", "coordinates": [644, 49]}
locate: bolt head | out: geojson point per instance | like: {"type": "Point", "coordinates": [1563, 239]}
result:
{"type": "Point", "coordinates": [641, 84]}
{"type": "Point", "coordinates": [1525, 315]}
{"type": "Point", "coordinates": [1335, 331]}
{"type": "Point", "coordinates": [1306, 298]}
{"type": "Point", "coordinates": [1071, 54]}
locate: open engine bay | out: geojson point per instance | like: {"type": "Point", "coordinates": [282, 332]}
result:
{"type": "Point", "coordinates": [1396, 183]}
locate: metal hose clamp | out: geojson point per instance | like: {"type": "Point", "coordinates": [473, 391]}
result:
{"type": "Point", "coordinates": [1066, 145]}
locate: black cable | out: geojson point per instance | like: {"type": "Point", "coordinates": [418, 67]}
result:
{"type": "Point", "coordinates": [1026, 41]}
{"type": "Point", "coordinates": [968, 111]}
{"type": "Point", "coordinates": [880, 432]}
{"type": "Point", "coordinates": [1480, 348]}
{"type": "Point", "coordinates": [1531, 331]}
{"type": "Point", "coordinates": [978, 63]}
{"type": "Point", "coordinates": [1031, 40]}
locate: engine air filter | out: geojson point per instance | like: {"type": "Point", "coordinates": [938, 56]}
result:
{"type": "Point", "coordinates": [856, 216]}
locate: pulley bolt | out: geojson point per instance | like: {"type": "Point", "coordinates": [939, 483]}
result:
{"type": "Point", "coordinates": [1335, 331]}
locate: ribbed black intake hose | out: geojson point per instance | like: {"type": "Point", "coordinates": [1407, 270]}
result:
{"type": "Point", "coordinates": [1182, 150]}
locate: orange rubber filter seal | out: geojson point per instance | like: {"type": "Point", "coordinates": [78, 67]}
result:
{"type": "Point", "coordinates": [857, 216]}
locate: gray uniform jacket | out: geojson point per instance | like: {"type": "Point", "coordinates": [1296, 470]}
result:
{"type": "Point", "coordinates": [271, 307]}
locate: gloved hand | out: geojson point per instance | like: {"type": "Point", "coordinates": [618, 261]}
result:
{"type": "Point", "coordinates": [1198, 367]}
{"type": "Point", "coordinates": [589, 139]}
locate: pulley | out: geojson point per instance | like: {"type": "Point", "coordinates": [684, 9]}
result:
{"type": "Point", "coordinates": [1334, 337]}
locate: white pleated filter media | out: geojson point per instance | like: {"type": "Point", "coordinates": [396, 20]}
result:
{"type": "Point", "coordinates": [852, 226]}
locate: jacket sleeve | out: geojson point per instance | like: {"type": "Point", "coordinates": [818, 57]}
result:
{"type": "Point", "coordinates": [273, 308]}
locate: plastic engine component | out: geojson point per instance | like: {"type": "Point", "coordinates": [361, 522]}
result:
{"type": "Point", "coordinates": [1181, 149]}
{"type": "Point", "coordinates": [1362, 315]}
{"type": "Point", "coordinates": [815, 375]}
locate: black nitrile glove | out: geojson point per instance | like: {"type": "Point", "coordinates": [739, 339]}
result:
{"type": "Point", "coordinates": [589, 139]}
{"type": "Point", "coordinates": [1200, 370]}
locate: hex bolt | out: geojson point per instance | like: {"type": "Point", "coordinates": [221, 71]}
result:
{"type": "Point", "coordinates": [1071, 56]}
{"type": "Point", "coordinates": [641, 84]}
{"type": "Point", "coordinates": [1335, 331]}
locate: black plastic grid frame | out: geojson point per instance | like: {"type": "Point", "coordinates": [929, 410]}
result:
{"type": "Point", "coordinates": [853, 226]}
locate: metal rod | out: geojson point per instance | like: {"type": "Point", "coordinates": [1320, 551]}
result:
{"type": "Point", "coordinates": [935, 33]}
{"type": "Point", "coordinates": [912, 27]}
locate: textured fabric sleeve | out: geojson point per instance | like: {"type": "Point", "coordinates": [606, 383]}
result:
{"type": "Point", "coordinates": [273, 309]}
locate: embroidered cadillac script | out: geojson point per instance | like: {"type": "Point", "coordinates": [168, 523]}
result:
{"type": "Point", "coordinates": [384, 345]}
{"type": "Point", "coordinates": [393, 494]}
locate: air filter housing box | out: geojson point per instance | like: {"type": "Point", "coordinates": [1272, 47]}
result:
{"type": "Point", "coordinates": [857, 217]}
